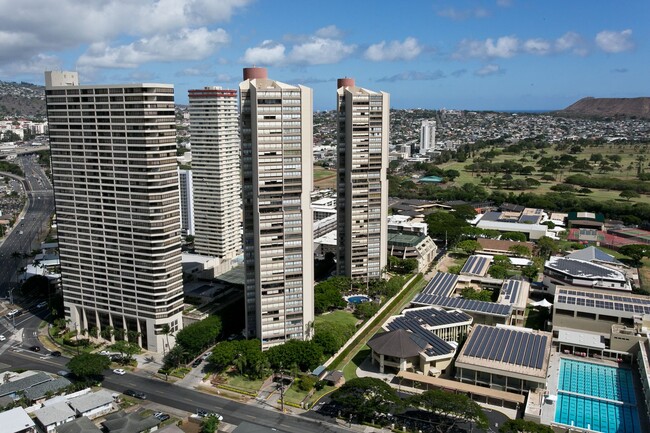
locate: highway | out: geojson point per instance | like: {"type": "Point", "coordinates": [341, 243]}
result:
{"type": "Point", "coordinates": [31, 228]}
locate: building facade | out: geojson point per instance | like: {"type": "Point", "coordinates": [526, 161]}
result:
{"type": "Point", "coordinates": [427, 136]}
{"type": "Point", "coordinates": [115, 177]}
{"type": "Point", "coordinates": [186, 186]}
{"type": "Point", "coordinates": [214, 132]}
{"type": "Point", "coordinates": [276, 128]}
{"type": "Point", "coordinates": [362, 188]}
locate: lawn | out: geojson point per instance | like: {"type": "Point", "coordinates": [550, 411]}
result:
{"type": "Point", "coordinates": [338, 316]}
{"type": "Point", "coordinates": [350, 370]}
{"type": "Point", "coordinates": [644, 275]}
{"type": "Point", "coordinates": [237, 381]}
{"type": "Point", "coordinates": [320, 172]}
{"type": "Point", "coordinates": [324, 178]}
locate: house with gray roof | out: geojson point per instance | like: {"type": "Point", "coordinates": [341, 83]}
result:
{"type": "Point", "coordinates": [41, 390]}
{"type": "Point", "coordinates": [50, 417]}
{"type": "Point", "coordinates": [122, 422]}
{"type": "Point", "coordinates": [92, 405]}
{"type": "Point", "coordinates": [79, 425]}
{"type": "Point", "coordinates": [16, 420]}
{"type": "Point", "coordinates": [22, 382]}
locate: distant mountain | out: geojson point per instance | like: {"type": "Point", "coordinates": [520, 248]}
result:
{"type": "Point", "coordinates": [21, 99]}
{"type": "Point", "coordinates": [608, 107]}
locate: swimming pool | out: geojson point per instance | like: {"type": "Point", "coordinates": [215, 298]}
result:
{"type": "Point", "coordinates": [358, 299]}
{"type": "Point", "coordinates": [596, 397]}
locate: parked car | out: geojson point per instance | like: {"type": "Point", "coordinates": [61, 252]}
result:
{"type": "Point", "coordinates": [41, 304]}
{"type": "Point", "coordinates": [205, 414]}
{"type": "Point", "coordinates": [136, 394]}
{"type": "Point", "coordinates": [161, 416]}
{"type": "Point", "coordinates": [119, 371]}
{"type": "Point", "coordinates": [35, 348]}
{"type": "Point", "coordinates": [2, 338]}
{"type": "Point", "coordinates": [197, 362]}
{"type": "Point", "coordinates": [55, 353]}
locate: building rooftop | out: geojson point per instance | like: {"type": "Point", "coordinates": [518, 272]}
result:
{"type": "Point", "coordinates": [592, 253]}
{"type": "Point", "coordinates": [26, 380]}
{"type": "Point", "coordinates": [79, 425]}
{"type": "Point", "coordinates": [583, 269]}
{"type": "Point", "coordinates": [442, 283]}
{"type": "Point", "coordinates": [91, 401]}
{"type": "Point", "coordinates": [606, 303]}
{"type": "Point", "coordinates": [55, 413]}
{"type": "Point", "coordinates": [584, 339]}
{"type": "Point", "coordinates": [471, 305]}
{"type": "Point", "coordinates": [404, 239]}
{"type": "Point", "coordinates": [40, 390]}
{"type": "Point", "coordinates": [476, 265]}
{"type": "Point", "coordinates": [15, 420]}
{"type": "Point", "coordinates": [516, 350]}
{"type": "Point", "coordinates": [398, 343]}
{"type": "Point", "coordinates": [122, 422]}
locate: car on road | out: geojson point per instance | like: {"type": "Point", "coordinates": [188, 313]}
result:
{"type": "Point", "coordinates": [35, 348]}
{"type": "Point", "coordinates": [41, 304]}
{"type": "Point", "coordinates": [161, 416]}
{"type": "Point", "coordinates": [2, 338]}
{"type": "Point", "coordinates": [136, 394]}
{"type": "Point", "coordinates": [197, 362]}
{"type": "Point", "coordinates": [205, 414]}
{"type": "Point", "coordinates": [119, 371]}
{"type": "Point", "coordinates": [56, 353]}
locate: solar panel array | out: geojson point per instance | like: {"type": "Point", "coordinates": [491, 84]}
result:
{"type": "Point", "coordinates": [510, 290]}
{"type": "Point", "coordinates": [510, 346]}
{"type": "Point", "coordinates": [436, 346]}
{"type": "Point", "coordinates": [581, 268]}
{"type": "Point", "coordinates": [475, 265]}
{"type": "Point", "coordinates": [603, 301]}
{"type": "Point", "coordinates": [441, 284]}
{"type": "Point", "coordinates": [529, 219]}
{"type": "Point", "coordinates": [436, 317]}
{"type": "Point", "coordinates": [464, 304]}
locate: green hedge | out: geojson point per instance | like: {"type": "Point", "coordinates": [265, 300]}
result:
{"type": "Point", "coordinates": [237, 390]}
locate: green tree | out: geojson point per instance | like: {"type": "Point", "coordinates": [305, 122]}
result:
{"type": "Point", "coordinates": [628, 194]}
{"type": "Point", "coordinates": [520, 250]}
{"type": "Point", "coordinates": [331, 336]}
{"type": "Point", "coordinates": [223, 354]}
{"type": "Point", "coordinates": [366, 398]}
{"type": "Point", "coordinates": [469, 246]}
{"type": "Point", "coordinates": [522, 426]}
{"type": "Point", "coordinates": [531, 272]}
{"type": "Point", "coordinates": [306, 355]}
{"type": "Point", "coordinates": [635, 252]}
{"type": "Point", "coordinates": [209, 424]}
{"type": "Point", "coordinates": [479, 295]}
{"type": "Point", "coordinates": [545, 247]}
{"type": "Point", "coordinates": [451, 407]}
{"type": "Point", "coordinates": [366, 310]}
{"type": "Point", "coordinates": [328, 294]}
{"type": "Point", "coordinates": [249, 359]}
{"type": "Point", "coordinates": [127, 349]}
{"type": "Point", "coordinates": [198, 336]}
{"type": "Point", "coordinates": [88, 365]}
{"type": "Point", "coordinates": [514, 236]}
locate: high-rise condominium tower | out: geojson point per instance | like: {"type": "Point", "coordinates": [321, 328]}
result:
{"type": "Point", "coordinates": [427, 136]}
{"type": "Point", "coordinates": [216, 172]}
{"type": "Point", "coordinates": [276, 136]}
{"type": "Point", "coordinates": [186, 185]}
{"type": "Point", "coordinates": [117, 205]}
{"type": "Point", "coordinates": [362, 188]}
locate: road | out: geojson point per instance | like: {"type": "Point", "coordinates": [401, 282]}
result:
{"type": "Point", "coordinates": [184, 399]}
{"type": "Point", "coordinates": [31, 228]}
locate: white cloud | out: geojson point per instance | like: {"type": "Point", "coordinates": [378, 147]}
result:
{"type": "Point", "coordinates": [331, 32]}
{"type": "Point", "coordinates": [187, 44]}
{"type": "Point", "coordinates": [489, 70]}
{"type": "Point", "coordinates": [537, 46]}
{"type": "Point", "coordinates": [41, 26]}
{"type": "Point", "coordinates": [320, 51]}
{"type": "Point", "coordinates": [571, 41]}
{"type": "Point", "coordinates": [463, 14]}
{"type": "Point", "coordinates": [615, 42]}
{"type": "Point", "coordinates": [268, 53]}
{"type": "Point", "coordinates": [394, 50]}
{"type": "Point", "coordinates": [504, 47]}
{"type": "Point", "coordinates": [32, 66]}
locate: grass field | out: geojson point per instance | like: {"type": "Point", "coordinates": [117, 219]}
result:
{"type": "Point", "coordinates": [338, 316]}
{"type": "Point", "coordinates": [324, 178]}
{"type": "Point", "coordinates": [628, 154]}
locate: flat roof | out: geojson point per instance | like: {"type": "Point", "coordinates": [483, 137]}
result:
{"type": "Point", "coordinates": [510, 349]}
{"type": "Point", "coordinates": [15, 420]}
{"type": "Point", "coordinates": [442, 283]}
{"type": "Point", "coordinates": [471, 305]}
{"type": "Point", "coordinates": [476, 265]}
{"type": "Point", "coordinates": [602, 302]}
{"type": "Point", "coordinates": [462, 387]}
{"type": "Point", "coordinates": [584, 339]}
{"type": "Point", "coordinates": [514, 292]}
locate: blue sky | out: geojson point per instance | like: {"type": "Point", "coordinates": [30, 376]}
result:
{"type": "Point", "coordinates": [480, 55]}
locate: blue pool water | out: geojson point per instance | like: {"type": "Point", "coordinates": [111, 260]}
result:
{"type": "Point", "coordinates": [358, 299]}
{"type": "Point", "coordinates": [596, 397]}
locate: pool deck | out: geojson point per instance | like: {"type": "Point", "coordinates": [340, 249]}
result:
{"type": "Point", "coordinates": [553, 375]}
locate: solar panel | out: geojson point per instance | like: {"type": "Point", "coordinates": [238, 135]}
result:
{"type": "Point", "coordinates": [495, 344]}
{"type": "Point", "coordinates": [522, 351]}
{"type": "Point", "coordinates": [530, 350]}
{"type": "Point", "coordinates": [539, 362]}
{"type": "Point", "coordinates": [516, 348]}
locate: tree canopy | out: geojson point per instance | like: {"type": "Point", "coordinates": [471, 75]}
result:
{"type": "Point", "coordinates": [88, 365]}
{"type": "Point", "coordinates": [451, 407]}
{"type": "Point", "coordinates": [306, 355]}
{"type": "Point", "coordinates": [328, 294]}
{"type": "Point", "coordinates": [198, 336]}
{"type": "Point", "coordinates": [366, 398]}
{"type": "Point", "coordinates": [635, 252]}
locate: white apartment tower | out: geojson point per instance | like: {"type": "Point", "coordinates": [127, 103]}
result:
{"type": "Point", "coordinates": [362, 188]}
{"type": "Point", "coordinates": [113, 153]}
{"type": "Point", "coordinates": [186, 187]}
{"type": "Point", "coordinates": [427, 136]}
{"type": "Point", "coordinates": [276, 138]}
{"type": "Point", "coordinates": [214, 127]}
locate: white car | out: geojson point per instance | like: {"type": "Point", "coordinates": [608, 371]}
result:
{"type": "Point", "coordinates": [2, 338]}
{"type": "Point", "coordinates": [41, 304]}
{"type": "Point", "coordinates": [119, 371]}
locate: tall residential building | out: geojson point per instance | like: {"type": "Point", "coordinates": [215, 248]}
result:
{"type": "Point", "coordinates": [427, 136]}
{"type": "Point", "coordinates": [186, 186]}
{"type": "Point", "coordinates": [276, 138]}
{"type": "Point", "coordinates": [115, 177]}
{"type": "Point", "coordinates": [362, 188]}
{"type": "Point", "coordinates": [216, 172]}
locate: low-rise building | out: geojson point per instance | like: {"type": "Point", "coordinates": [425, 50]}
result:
{"type": "Point", "coordinates": [16, 420]}
{"type": "Point", "coordinates": [565, 271]}
{"type": "Point", "coordinates": [52, 416]}
{"type": "Point", "coordinates": [92, 405]}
